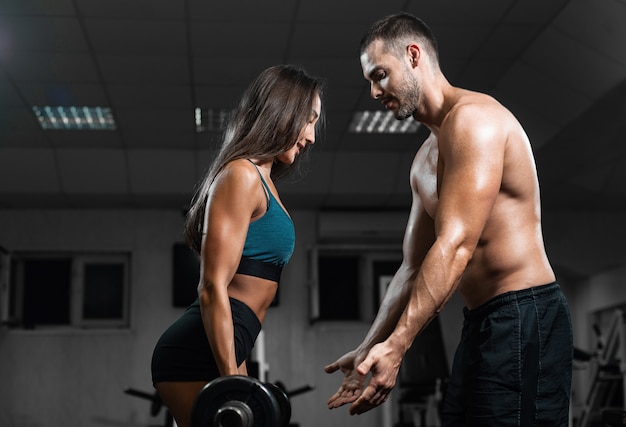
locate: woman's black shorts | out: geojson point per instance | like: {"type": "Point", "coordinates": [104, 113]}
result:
{"type": "Point", "coordinates": [183, 352]}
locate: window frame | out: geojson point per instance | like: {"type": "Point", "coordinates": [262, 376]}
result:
{"type": "Point", "coordinates": [12, 290]}
{"type": "Point", "coordinates": [368, 290]}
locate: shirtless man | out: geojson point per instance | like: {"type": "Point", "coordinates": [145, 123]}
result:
{"type": "Point", "coordinates": [474, 227]}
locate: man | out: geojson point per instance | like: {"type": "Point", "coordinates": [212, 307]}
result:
{"type": "Point", "coordinates": [474, 227]}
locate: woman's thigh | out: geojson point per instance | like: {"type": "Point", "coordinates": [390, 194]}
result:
{"type": "Point", "coordinates": [179, 398]}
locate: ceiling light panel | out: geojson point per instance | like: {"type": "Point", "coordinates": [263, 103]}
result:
{"type": "Point", "coordinates": [75, 118]}
{"type": "Point", "coordinates": [209, 119]}
{"type": "Point", "coordinates": [381, 122]}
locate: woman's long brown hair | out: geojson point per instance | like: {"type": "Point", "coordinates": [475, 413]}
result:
{"type": "Point", "coordinates": [267, 122]}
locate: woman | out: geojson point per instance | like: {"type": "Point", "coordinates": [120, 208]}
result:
{"type": "Point", "coordinates": [243, 234]}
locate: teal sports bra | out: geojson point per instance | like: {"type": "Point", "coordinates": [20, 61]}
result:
{"type": "Point", "coordinates": [270, 241]}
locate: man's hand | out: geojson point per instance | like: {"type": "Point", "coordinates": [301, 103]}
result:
{"type": "Point", "coordinates": [384, 363]}
{"type": "Point", "coordinates": [352, 384]}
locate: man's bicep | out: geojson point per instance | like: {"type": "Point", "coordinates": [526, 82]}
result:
{"type": "Point", "coordinates": [470, 183]}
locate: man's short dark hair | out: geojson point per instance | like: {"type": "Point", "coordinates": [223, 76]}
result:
{"type": "Point", "coordinates": [395, 30]}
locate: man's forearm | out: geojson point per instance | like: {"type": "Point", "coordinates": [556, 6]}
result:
{"type": "Point", "coordinates": [391, 308]}
{"type": "Point", "coordinates": [434, 285]}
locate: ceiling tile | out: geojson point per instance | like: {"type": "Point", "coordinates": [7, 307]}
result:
{"type": "Point", "coordinates": [18, 118]}
{"type": "Point", "coordinates": [230, 39]}
{"type": "Point", "coordinates": [235, 71]}
{"type": "Point", "coordinates": [21, 34]}
{"type": "Point", "coordinates": [459, 41]}
{"type": "Point", "coordinates": [52, 66]}
{"type": "Point", "coordinates": [9, 97]}
{"type": "Point", "coordinates": [536, 12]}
{"type": "Point", "coordinates": [218, 96]}
{"type": "Point", "coordinates": [339, 73]}
{"type": "Point", "coordinates": [338, 40]}
{"type": "Point", "coordinates": [151, 95]}
{"type": "Point", "coordinates": [155, 119]}
{"type": "Point", "coordinates": [155, 138]}
{"type": "Point", "coordinates": [579, 144]}
{"type": "Point", "coordinates": [137, 36]}
{"type": "Point", "coordinates": [332, 11]}
{"type": "Point", "coordinates": [436, 12]}
{"type": "Point", "coordinates": [161, 171]}
{"type": "Point", "coordinates": [39, 7]}
{"type": "Point", "coordinates": [63, 93]}
{"type": "Point", "coordinates": [84, 139]}
{"type": "Point", "coordinates": [136, 9]}
{"type": "Point", "coordinates": [18, 138]}
{"type": "Point", "coordinates": [548, 96]}
{"type": "Point", "coordinates": [558, 55]}
{"type": "Point", "coordinates": [599, 26]}
{"type": "Point", "coordinates": [481, 74]}
{"type": "Point", "coordinates": [242, 11]}
{"type": "Point", "coordinates": [507, 41]}
{"type": "Point", "coordinates": [93, 171]}
{"type": "Point", "coordinates": [28, 171]}
{"type": "Point", "coordinates": [616, 184]}
{"type": "Point", "coordinates": [144, 68]}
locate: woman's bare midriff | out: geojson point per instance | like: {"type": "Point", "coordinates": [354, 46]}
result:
{"type": "Point", "coordinates": [255, 292]}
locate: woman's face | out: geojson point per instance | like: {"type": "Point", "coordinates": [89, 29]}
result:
{"type": "Point", "coordinates": [306, 136]}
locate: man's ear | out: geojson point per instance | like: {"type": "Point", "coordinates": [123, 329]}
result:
{"type": "Point", "coordinates": [414, 53]}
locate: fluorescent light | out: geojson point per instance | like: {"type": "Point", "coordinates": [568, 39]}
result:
{"type": "Point", "coordinates": [75, 118]}
{"type": "Point", "coordinates": [381, 122]}
{"type": "Point", "coordinates": [210, 119]}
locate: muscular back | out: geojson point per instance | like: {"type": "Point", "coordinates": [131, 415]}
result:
{"type": "Point", "coordinates": [479, 163]}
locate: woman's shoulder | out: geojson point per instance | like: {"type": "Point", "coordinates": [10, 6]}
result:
{"type": "Point", "coordinates": [239, 166]}
{"type": "Point", "coordinates": [240, 172]}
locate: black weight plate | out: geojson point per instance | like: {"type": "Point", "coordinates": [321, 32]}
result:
{"type": "Point", "coordinates": [248, 390]}
{"type": "Point", "coordinates": [283, 402]}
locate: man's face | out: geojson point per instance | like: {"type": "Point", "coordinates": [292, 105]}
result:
{"type": "Point", "coordinates": [391, 80]}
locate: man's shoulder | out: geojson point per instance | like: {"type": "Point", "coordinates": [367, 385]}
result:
{"type": "Point", "coordinates": [470, 102]}
{"type": "Point", "coordinates": [476, 112]}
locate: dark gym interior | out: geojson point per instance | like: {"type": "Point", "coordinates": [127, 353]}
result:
{"type": "Point", "coordinates": [165, 70]}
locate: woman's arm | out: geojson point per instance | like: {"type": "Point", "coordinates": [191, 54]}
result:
{"type": "Point", "coordinates": [236, 197]}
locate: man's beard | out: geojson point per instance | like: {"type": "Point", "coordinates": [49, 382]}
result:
{"type": "Point", "coordinates": [408, 98]}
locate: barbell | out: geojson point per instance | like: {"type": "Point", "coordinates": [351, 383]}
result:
{"type": "Point", "coordinates": [242, 401]}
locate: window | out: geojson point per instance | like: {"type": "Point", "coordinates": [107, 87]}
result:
{"type": "Point", "coordinates": [338, 286]}
{"type": "Point", "coordinates": [348, 281]}
{"type": "Point", "coordinates": [48, 290]}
